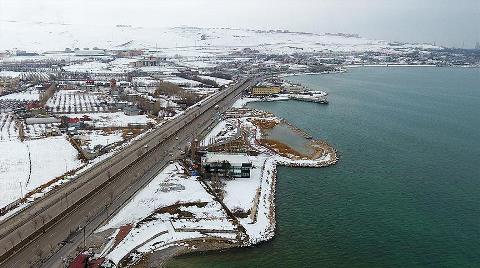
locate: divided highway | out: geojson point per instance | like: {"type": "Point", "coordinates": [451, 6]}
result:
{"type": "Point", "coordinates": [43, 233]}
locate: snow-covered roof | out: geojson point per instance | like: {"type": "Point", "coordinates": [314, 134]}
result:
{"type": "Point", "coordinates": [231, 158]}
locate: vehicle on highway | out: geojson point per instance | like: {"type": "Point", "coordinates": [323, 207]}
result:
{"type": "Point", "coordinates": [109, 176]}
{"type": "Point", "coordinates": [176, 138]}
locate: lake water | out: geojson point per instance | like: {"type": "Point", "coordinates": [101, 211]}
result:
{"type": "Point", "coordinates": [406, 191]}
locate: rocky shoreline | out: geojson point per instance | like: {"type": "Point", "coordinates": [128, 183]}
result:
{"type": "Point", "coordinates": [328, 159]}
{"type": "Point", "coordinates": [190, 217]}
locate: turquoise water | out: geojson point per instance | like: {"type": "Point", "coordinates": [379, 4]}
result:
{"type": "Point", "coordinates": [406, 192]}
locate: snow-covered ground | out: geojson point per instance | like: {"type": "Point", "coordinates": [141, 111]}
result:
{"type": "Point", "coordinates": [101, 138]}
{"type": "Point", "coordinates": [182, 81]}
{"type": "Point", "coordinates": [202, 90]}
{"type": "Point", "coordinates": [243, 101]}
{"type": "Point", "coordinates": [257, 193]}
{"type": "Point", "coordinates": [118, 119]}
{"type": "Point", "coordinates": [8, 130]}
{"type": "Point", "coordinates": [75, 101]}
{"type": "Point", "coordinates": [28, 95]}
{"type": "Point", "coordinates": [144, 81]}
{"type": "Point", "coordinates": [176, 208]}
{"type": "Point", "coordinates": [185, 41]}
{"type": "Point", "coordinates": [168, 188]}
{"type": "Point", "coordinates": [37, 131]}
{"type": "Point", "coordinates": [254, 195]}
{"type": "Point", "coordinates": [10, 74]}
{"type": "Point", "coordinates": [120, 65]}
{"type": "Point", "coordinates": [261, 225]}
{"type": "Point", "coordinates": [224, 130]}
{"type": "Point", "coordinates": [220, 81]}
{"type": "Point", "coordinates": [240, 193]}
{"type": "Point", "coordinates": [56, 153]}
{"type": "Point", "coordinates": [154, 229]}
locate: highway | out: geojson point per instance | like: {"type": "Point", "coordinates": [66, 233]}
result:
{"type": "Point", "coordinates": [52, 227]}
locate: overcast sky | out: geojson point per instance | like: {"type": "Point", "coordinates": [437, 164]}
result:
{"type": "Point", "coordinates": [446, 22]}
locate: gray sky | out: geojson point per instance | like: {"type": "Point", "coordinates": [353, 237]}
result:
{"type": "Point", "coordinates": [446, 22]}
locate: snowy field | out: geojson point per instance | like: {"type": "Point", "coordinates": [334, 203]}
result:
{"type": "Point", "coordinates": [182, 81]}
{"type": "Point", "coordinates": [240, 193]}
{"type": "Point", "coordinates": [169, 188]}
{"type": "Point", "coordinates": [56, 153]}
{"type": "Point", "coordinates": [10, 74]}
{"type": "Point", "coordinates": [144, 81]}
{"type": "Point", "coordinates": [28, 95]}
{"type": "Point", "coordinates": [220, 81]}
{"type": "Point", "coordinates": [74, 101]}
{"type": "Point", "coordinates": [101, 138]}
{"type": "Point", "coordinates": [118, 119]}
{"type": "Point", "coordinates": [38, 131]}
{"type": "Point", "coordinates": [40, 76]}
{"type": "Point", "coordinates": [120, 65]}
{"type": "Point", "coordinates": [185, 41]}
{"type": "Point", "coordinates": [202, 90]}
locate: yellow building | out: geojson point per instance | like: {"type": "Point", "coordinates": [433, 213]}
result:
{"type": "Point", "coordinates": [264, 91]}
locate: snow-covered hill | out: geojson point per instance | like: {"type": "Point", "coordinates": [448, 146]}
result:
{"type": "Point", "coordinates": [40, 37]}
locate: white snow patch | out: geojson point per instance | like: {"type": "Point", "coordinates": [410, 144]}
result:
{"type": "Point", "coordinates": [56, 153]}
{"type": "Point", "coordinates": [28, 95]}
{"type": "Point", "coordinates": [117, 119]}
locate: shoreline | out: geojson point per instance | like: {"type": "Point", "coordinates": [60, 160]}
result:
{"type": "Point", "coordinates": [271, 181]}
{"type": "Point", "coordinates": [161, 232]}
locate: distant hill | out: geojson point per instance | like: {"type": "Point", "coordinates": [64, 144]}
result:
{"type": "Point", "coordinates": [40, 37]}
